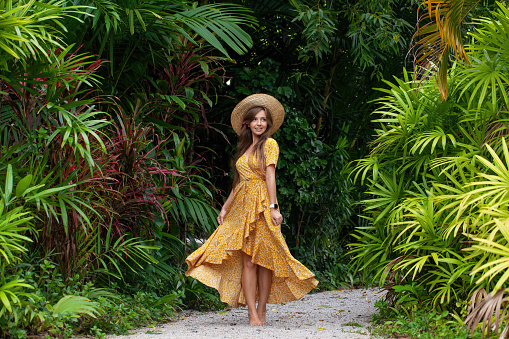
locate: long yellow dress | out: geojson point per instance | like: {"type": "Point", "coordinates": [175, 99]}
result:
{"type": "Point", "coordinates": [248, 228]}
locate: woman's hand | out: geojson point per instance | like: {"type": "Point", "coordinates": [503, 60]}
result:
{"type": "Point", "coordinates": [276, 217]}
{"type": "Point", "coordinates": [220, 217]}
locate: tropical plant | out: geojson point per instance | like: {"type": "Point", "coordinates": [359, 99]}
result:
{"type": "Point", "coordinates": [376, 31]}
{"type": "Point", "coordinates": [14, 224]}
{"type": "Point", "coordinates": [136, 36]}
{"type": "Point", "coordinates": [439, 36]}
{"type": "Point", "coordinates": [437, 197]}
{"type": "Point", "coordinates": [48, 130]}
{"type": "Point", "coordinates": [482, 308]}
{"type": "Point", "coordinates": [30, 29]}
{"type": "Point", "coordinates": [190, 205]}
{"type": "Point", "coordinates": [318, 29]}
{"type": "Point", "coordinates": [116, 185]}
{"type": "Point", "coordinates": [46, 100]}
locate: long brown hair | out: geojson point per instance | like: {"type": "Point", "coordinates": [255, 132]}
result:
{"type": "Point", "coordinates": [246, 139]}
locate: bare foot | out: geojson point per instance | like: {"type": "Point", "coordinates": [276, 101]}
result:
{"type": "Point", "coordinates": [262, 311]}
{"type": "Point", "coordinates": [254, 320]}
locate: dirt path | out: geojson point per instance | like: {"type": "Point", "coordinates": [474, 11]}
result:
{"type": "Point", "coordinates": [333, 314]}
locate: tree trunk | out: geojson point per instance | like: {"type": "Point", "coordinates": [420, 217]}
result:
{"type": "Point", "coordinates": [326, 93]}
{"type": "Point", "coordinates": [298, 228]}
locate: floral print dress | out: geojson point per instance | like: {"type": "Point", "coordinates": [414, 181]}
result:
{"type": "Point", "coordinates": [248, 228]}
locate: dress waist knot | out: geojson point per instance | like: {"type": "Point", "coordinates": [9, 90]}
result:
{"type": "Point", "coordinates": [252, 179]}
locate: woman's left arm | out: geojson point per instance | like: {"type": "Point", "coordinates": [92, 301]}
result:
{"type": "Point", "coordinates": [270, 181]}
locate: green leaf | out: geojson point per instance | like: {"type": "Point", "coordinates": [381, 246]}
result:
{"type": "Point", "coordinates": [23, 185]}
{"type": "Point", "coordinates": [76, 304]}
{"type": "Point", "coordinates": [8, 185]}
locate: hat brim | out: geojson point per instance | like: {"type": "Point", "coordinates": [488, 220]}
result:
{"type": "Point", "coordinates": [275, 108]}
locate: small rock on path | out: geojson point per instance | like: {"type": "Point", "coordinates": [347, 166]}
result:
{"type": "Point", "coordinates": [333, 314]}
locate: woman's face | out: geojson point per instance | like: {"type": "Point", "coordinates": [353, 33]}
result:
{"type": "Point", "coordinates": [259, 123]}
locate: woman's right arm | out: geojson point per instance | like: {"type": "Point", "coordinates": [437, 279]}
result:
{"type": "Point", "coordinates": [220, 217]}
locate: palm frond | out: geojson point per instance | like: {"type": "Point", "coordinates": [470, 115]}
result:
{"type": "Point", "coordinates": [29, 29]}
{"type": "Point", "coordinates": [221, 21]}
{"type": "Point", "coordinates": [485, 307]}
{"type": "Point", "coordinates": [439, 34]}
{"type": "Point", "coordinates": [76, 304]}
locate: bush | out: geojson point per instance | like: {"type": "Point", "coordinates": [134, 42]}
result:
{"type": "Point", "coordinates": [438, 186]}
{"type": "Point", "coordinates": [63, 307]}
{"type": "Point", "coordinates": [419, 324]}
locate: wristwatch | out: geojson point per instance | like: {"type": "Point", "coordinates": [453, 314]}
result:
{"type": "Point", "coordinates": [275, 206]}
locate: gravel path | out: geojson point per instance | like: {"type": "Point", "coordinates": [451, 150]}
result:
{"type": "Point", "coordinates": [333, 314]}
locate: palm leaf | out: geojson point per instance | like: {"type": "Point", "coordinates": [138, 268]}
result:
{"type": "Point", "coordinates": [485, 307]}
{"type": "Point", "coordinates": [439, 33]}
{"type": "Point", "coordinates": [28, 29]}
{"type": "Point", "coordinates": [76, 304]}
{"type": "Point", "coordinates": [9, 293]}
{"type": "Point", "coordinates": [219, 20]}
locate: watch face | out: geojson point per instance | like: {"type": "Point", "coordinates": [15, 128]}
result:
{"type": "Point", "coordinates": [274, 206]}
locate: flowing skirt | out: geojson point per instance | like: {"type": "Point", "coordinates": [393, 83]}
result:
{"type": "Point", "coordinates": [248, 228]}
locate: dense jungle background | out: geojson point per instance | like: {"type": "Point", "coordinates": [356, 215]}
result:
{"type": "Point", "coordinates": [116, 154]}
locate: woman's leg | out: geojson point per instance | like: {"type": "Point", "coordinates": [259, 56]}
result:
{"type": "Point", "coordinates": [249, 282]}
{"type": "Point", "coordinates": [264, 285]}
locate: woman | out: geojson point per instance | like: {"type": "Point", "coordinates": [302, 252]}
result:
{"type": "Point", "coordinates": [246, 259]}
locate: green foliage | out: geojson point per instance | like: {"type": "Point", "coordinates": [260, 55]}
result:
{"type": "Point", "coordinates": [190, 205]}
{"type": "Point", "coordinates": [63, 306]}
{"type": "Point", "coordinates": [319, 28]}
{"type": "Point", "coordinates": [14, 224]}
{"type": "Point", "coordinates": [489, 198]}
{"type": "Point", "coordinates": [220, 20]}
{"type": "Point", "coordinates": [136, 36]}
{"type": "Point", "coordinates": [376, 30]}
{"type": "Point", "coordinates": [259, 79]}
{"type": "Point", "coordinates": [420, 324]}
{"type": "Point", "coordinates": [96, 188]}
{"type": "Point", "coordinates": [182, 86]}
{"type": "Point", "coordinates": [125, 251]}
{"type": "Point", "coordinates": [315, 192]}
{"type": "Point", "coordinates": [437, 191]}
{"type": "Point", "coordinates": [29, 29]}
{"type": "Point", "coordinates": [18, 291]}
{"type": "Point", "coordinates": [200, 296]}
{"type": "Point", "coordinates": [125, 312]}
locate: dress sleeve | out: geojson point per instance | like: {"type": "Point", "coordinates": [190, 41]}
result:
{"type": "Point", "coordinates": [271, 152]}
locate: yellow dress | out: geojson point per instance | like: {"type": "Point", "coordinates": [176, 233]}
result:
{"type": "Point", "coordinates": [247, 227]}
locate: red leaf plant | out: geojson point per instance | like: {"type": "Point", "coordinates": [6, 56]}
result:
{"type": "Point", "coordinates": [180, 90]}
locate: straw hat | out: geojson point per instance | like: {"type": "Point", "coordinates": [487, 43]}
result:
{"type": "Point", "coordinates": [275, 108]}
